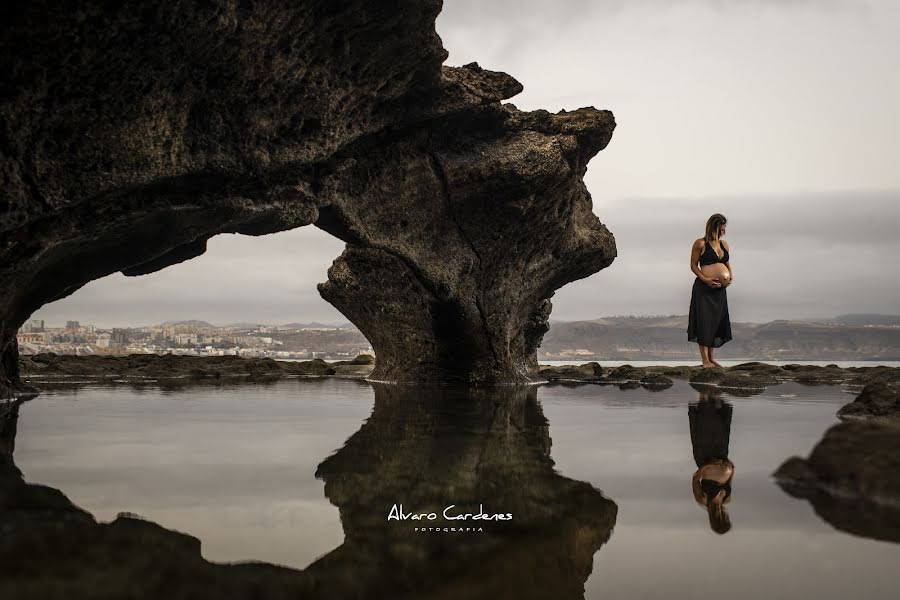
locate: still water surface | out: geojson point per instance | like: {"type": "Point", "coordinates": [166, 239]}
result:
{"type": "Point", "coordinates": [237, 467]}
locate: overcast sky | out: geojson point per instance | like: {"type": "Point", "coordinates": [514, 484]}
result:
{"type": "Point", "coordinates": [781, 114]}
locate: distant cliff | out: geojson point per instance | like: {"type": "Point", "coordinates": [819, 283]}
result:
{"type": "Point", "coordinates": [848, 337]}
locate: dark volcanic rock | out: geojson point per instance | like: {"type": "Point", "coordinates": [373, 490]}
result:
{"type": "Point", "coordinates": [856, 460]}
{"type": "Point", "coordinates": [758, 367]}
{"type": "Point", "coordinates": [624, 373]}
{"type": "Point", "coordinates": [741, 382]}
{"type": "Point", "coordinates": [134, 134]}
{"type": "Point", "coordinates": [877, 401]}
{"type": "Point", "coordinates": [656, 382]}
{"type": "Point", "coordinates": [712, 375]}
{"type": "Point", "coordinates": [880, 374]}
{"type": "Point", "coordinates": [679, 372]}
{"type": "Point", "coordinates": [587, 372]}
{"type": "Point", "coordinates": [362, 359]}
{"type": "Point", "coordinates": [53, 368]}
{"type": "Point", "coordinates": [750, 380]}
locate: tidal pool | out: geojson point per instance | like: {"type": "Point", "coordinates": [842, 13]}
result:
{"type": "Point", "coordinates": [598, 481]}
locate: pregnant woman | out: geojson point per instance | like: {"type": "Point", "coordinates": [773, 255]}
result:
{"type": "Point", "coordinates": [710, 422]}
{"type": "Point", "coordinates": [708, 322]}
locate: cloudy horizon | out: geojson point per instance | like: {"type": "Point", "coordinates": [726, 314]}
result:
{"type": "Point", "coordinates": [781, 115]}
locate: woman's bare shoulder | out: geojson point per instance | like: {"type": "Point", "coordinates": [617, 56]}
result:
{"type": "Point", "coordinates": [698, 243]}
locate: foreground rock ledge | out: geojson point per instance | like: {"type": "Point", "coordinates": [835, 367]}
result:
{"type": "Point", "coordinates": [134, 134]}
{"type": "Point", "coordinates": [740, 380]}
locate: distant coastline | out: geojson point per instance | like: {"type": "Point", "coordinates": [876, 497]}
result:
{"type": "Point", "coordinates": [625, 339]}
{"type": "Point", "coordinates": [663, 338]}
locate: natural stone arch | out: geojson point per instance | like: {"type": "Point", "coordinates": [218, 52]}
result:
{"type": "Point", "coordinates": [131, 137]}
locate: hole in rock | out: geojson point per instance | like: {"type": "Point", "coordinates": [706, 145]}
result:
{"type": "Point", "coordinates": [245, 280]}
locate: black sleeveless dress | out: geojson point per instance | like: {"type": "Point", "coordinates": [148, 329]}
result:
{"type": "Point", "coordinates": [710, 423]}
{"type": "Point", "coordinates": [708, 321]}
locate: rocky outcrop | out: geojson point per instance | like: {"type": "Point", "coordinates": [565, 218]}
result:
{"type": "Point", "coordinates": [656, 382]}
{"type": "Point", "coordinates": [43, 369]}
{"type": "Point", "coordinates": [740, 380]}
{"type": "Point", "coordinates": [877, 401]}
{"type": "Point", "coordinates": [131, 135]}
{"type": "Point", "coordinates": [850, 478]}
{"type": "Point", "coordinates": [586, 372]}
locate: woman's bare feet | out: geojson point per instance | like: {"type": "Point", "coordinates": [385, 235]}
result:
{"type": "Point", "coordinates": [709, 365]}
{"type": "Point", "coordinates": [715, 364]}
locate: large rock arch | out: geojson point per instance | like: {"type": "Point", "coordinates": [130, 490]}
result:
{"type": "Point", "coordinates": [132, 136]}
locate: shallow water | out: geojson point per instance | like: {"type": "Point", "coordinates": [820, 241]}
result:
{"type": "Point", "coordinates": [237, 467]}
{"type": "Point", "coordinates": [726, 362]}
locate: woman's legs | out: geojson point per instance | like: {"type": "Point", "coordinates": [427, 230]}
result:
{"type": "Point", "coordinates": [709, 353]}
{"type": "Point", "coordinates": [705, 353]}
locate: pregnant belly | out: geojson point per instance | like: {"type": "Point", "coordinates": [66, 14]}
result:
{"type": "Point", "coordinates": [716, 271]}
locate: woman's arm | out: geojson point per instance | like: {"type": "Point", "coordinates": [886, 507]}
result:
{"type": "Point", "coordinates": [728, 264]}
{"type": "Point", "coordinates": [696, 250]}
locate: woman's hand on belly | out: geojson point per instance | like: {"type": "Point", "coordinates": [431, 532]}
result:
{"type": "Point", "coordinates": [717, 275]}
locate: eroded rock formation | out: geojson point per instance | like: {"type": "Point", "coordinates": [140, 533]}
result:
{"type": "Point", "coordinates": [131, 135]}
{"type": "Point", "coordinates": [850, 477]}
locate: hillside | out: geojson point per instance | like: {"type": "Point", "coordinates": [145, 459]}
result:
{"type": "Point", "coordinates": [864, 337]}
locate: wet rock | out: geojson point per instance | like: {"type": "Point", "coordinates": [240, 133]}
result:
{"type": "Point", "coordinates": [877, 401]}
{"type": "Point", "coordinates": [587, 372]}
{"type": "Point", "coordinates": [740, 382]}
{"type": "Point", "coordinates": [750, 380]}
{"type": "Point", "coordinates": [461, 215]}
{"type": "Point", "coordinates": [880, 374]}
{"type": "Point", "coordinates": [52, 368]}
{"type": "Point", "coordinates": [678, 372]}
{"type": "Point", "coordinates": [656, 382]}
{"type": "Point", "coordinates": [361, 359]}
{"type": "Point", "coordinates": [624, 373]}
{"type": "Point", "coordinates": [712, 375]}
{"type": "Point", "coordinates": [758, 367]}
{"type": "Point", "coordinates": [816, 374]}
{"type": "Point", "coordinates": [858, 460]}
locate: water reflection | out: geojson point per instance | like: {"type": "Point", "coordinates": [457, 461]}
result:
{"type": "Point", "coordinates": [710, 423]}
{"type": "Point", "coordinates": [468, 448]}
{"type": "Point", "coordinates": [477, 450]}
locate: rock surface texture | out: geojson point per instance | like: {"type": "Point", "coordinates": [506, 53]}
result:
{"type": "Point", "coordinates": [131, 135]}
{"type": "Point", "coordinates": [850, 477]}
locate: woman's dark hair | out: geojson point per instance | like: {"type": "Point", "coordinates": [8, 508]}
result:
{"type": "Point", "coordinates": [719, 520]}
{"type": "Point", "coordinates": [713, 226]}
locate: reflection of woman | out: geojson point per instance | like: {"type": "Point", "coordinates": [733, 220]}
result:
{"type": "Point", "coordinates": [708, 322]}
{"type": "Point", "coordinates": [710, 421]}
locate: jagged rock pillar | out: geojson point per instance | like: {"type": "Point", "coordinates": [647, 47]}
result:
{"type": "Point", "coordinates": [459, 235]}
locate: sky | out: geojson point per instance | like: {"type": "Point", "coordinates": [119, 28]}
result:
{"type": "Point", "coordinates": [780, 114]}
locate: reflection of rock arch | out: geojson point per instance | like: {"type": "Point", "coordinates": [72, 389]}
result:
{"type": "Point", "coordinates": [461, 215]}
{"type": "Point", "coordinates": [440, 446]}
{"type": "Point", "coordinates": [423, 447]}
